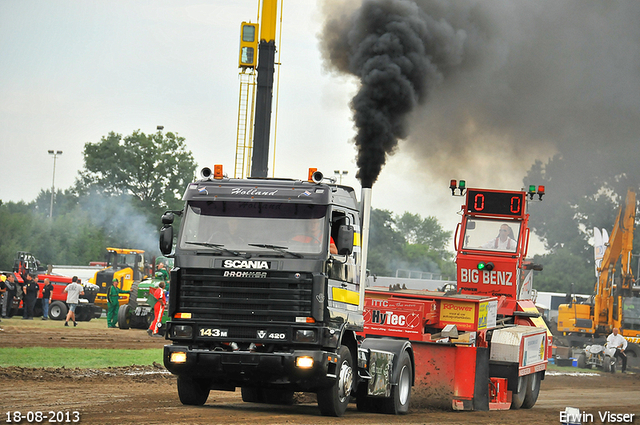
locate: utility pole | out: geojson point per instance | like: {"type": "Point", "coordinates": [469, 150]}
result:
{"type": "Point", "coordinates": [339, 174]}
{"type": "Point", "coordinates": [264, 93]}
{"type": "Point", "coordinates": [53, 181]}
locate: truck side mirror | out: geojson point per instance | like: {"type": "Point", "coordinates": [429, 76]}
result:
{"type": "Point", "coordinates": [166, 239]}
{"type": "Point", "coordinates": [345, 240]}
{"type": "Point", "coordinates": [167, 218]}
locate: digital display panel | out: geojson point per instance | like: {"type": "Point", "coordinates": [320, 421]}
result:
{"type": "Point", "coordinates": [496, 203]}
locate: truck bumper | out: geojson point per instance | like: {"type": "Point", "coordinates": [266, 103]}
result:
{"type": "Point", "coordinates": [230, 369]}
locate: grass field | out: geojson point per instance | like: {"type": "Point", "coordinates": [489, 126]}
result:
{"type": "Point", "coordinates": [103, 358]}
{"type": "Point", "coordinates": [37, 322]}
{"type": "Point", "coordinates": [37, 357]}
{"type": "Point", "coordinates": [77, 357]}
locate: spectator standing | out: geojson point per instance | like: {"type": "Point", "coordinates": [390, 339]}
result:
{"type": "Point", "coordinates": [113, 303]}
{"type": "Point", "coordinates": [7, 302]}
{"type": "Point", "coordinates": [162, 273]}
{"type": "Point", "coordinates": [46, 298]}
{"type": "Point", "coordinates": [73, 290]}
{"type": "Point", "coordinates": [31, 289]}
{"type": "Point", "coordinates": [158, 310]}
{"type": "Point", "coordinates": [3, 291]}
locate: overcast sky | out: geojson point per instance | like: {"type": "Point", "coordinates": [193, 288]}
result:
{"type": "Point", "coordinates": [72, 71]}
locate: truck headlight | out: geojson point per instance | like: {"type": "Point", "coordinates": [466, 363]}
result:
{"type": "Point", "coordinates": [305, 335]}
{"type": "Point", "coordinates": [178, 357]}
{"type": "Point", "coordinates": [182, 331]}
{"type": "Point", "coordinates": [304, 362]}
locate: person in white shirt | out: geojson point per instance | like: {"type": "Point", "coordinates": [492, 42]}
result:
{"type": "Point", "coordinates": [505, 241]}
{"type": "Point", "coordinates": [73, 290]}
{"type": "Point", "coordinates": [617, 341]}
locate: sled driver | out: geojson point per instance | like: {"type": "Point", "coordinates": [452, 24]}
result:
{"type": "Point", "coordinates": [505, 241]}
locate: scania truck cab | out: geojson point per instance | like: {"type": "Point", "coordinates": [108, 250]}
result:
{"type": "Point", "coordinates": [257, 300]}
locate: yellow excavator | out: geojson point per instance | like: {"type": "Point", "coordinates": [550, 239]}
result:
{"type": "Point", "coordinates": [615, 302]}
{"type": "Point", "coordinates": [126, 265]}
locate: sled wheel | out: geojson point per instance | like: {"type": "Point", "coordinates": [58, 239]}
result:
{"type": "Point", "coordinates": [517, 397]}
{"type": "Point", "coordinates": [533, 389]}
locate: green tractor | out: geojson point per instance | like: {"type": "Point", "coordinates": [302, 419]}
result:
{"type": "Point", "coordinates": [140, 315]}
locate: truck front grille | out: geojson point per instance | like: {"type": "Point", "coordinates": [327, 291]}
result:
{"type": "Point", "coordinates": [280, 297]}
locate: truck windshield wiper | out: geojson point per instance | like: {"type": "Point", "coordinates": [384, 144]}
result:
{"type": "Point", "coordinates": [216, 246]}
{"type": "Point", "coordinates": [282, 249]}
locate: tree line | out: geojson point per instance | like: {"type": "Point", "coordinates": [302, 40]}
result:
{"type": "Point", "coordinates": [127, 182]}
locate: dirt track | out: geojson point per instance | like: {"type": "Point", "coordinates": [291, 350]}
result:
{"type": "Point", "coordinates": [148, 395]}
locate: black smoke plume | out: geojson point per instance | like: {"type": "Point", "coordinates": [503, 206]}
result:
{"type": "Point", "coordinates": [480, 89]}
{"type": "Point", "coordinates": [398, 52]}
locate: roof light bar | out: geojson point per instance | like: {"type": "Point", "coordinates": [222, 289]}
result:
{"type": "Point", "coordinates": [532, 191]}
{"type": "Point", "coordinates": [461, 186]}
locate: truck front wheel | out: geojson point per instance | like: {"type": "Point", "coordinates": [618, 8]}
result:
{"type": "Point", "coordinates": [398, 403]}
{"type": "Point", "coordinates": [193, 392]}
{"type": "Point", "coordinates": [333, 401]}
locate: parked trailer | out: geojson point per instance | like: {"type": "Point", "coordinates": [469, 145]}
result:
{"type": "Point", "coordinates": [26, 263]}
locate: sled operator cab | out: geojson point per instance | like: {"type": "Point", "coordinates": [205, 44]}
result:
{"type": "Point", "coordinates": [491, 244]}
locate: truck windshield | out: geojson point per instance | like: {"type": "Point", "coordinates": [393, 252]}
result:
{"type": "Point", "coordinates": [493, 235]}
{"type": "Point", "coordinates": [631, 313]}
{"type": "Point", "coordinates": [122, 260]}
{"type": "Point", "coordinates": [240, 226]}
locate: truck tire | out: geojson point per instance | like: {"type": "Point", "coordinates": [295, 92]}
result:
{"type": "Point", "coordinates": [252, 395]}
{"type": "Point", "coordinates": [80, 314]}
{"type": "Point", "coordinates": [124, 316]}
{"type": "Point", "coordinates": [582, 361]}
{"type": "Point", "coordinates": [133, 295]}
{"type": "Point", "coordinates": [517, 397]}
{"type": "Point", "coordinates": [398, 403]}
{"type": "Point", "coordinates": [193, 392]}
{"type": "Point", "coordinates": [633, 354]}
{"type": "Point", "coordinates": [364, 403]}
{"type": "Point", "coordinates": [333, 401]}
{"type": "Point", "coordinates": [611, 362]}
{"type": "Point", "coordinates": [533, 389]}
{"type": "Point", "coordinates": [277, 396]}
{"type": "Point", "coordinates": [84, 313]}
{"type": "Point", "coordinates": [608, 364]}
{"type": "Point", "coordinates": [58, 310]}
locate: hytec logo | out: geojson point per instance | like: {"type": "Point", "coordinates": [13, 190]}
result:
{"type": "Point", "coordinates": [389, 318]}
{"type": "Point", "coordinates": [493, 277]}
{"type": "Point", "coordinates": [246, 264]}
